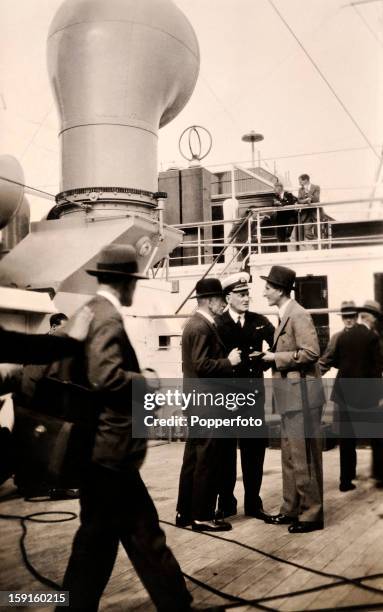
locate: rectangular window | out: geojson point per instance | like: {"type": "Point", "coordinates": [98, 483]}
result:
{"type": "Point", "coordinates": [164, 342]}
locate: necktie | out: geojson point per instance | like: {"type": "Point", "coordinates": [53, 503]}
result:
{"type": "Point", "coordinates": [239, 324]}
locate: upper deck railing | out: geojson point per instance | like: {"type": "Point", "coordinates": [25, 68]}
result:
{"type": "Point", "coordinates": [237, 239]}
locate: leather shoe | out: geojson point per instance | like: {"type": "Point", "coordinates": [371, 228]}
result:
{"type": "Point", "coordinates": [259, 514]}
{"type": "Point", "coordinates": [305, 527]}
{"type": "Point", "coordinates": [346, 486]}
{"type": "Point", "coordinates": [182, 521]}
{"type": "Point", "coordinates": [214, 525]}
{"type": "Point", "coordinates": [280, 519]}
{"type": "Point", "coordinates": [223, 513]}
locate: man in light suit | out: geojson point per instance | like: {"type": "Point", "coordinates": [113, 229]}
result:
{"type": "Point", "coordinates": [308, 194]}
{"type": "Point", "coordinates": [299, 398]}
{"type": "Point", "coordinates": [115, 504]}
{"type": "Point", "coordinates": [204, 356]}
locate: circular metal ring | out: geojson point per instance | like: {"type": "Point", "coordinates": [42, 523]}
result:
{"type": "Point", "coordinates": [195, 131]}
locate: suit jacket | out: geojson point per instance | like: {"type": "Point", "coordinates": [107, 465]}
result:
{"type": "Point", "coordinates": [288, 199]}
{"type": "Point", "coordinates": [309, 214]}
{"type": "Point", "coordinates": [356, 353]}
{"type": "Point", "coordinates": [313, 194]}
{"type": "Point", "coordinates": [108, 365]}
{"type": "Point", "coordinates": [326, 361]}
{"type": "Point", "coordinates": [296, 375]}
{"type": "Point", "coordinates": [203, 352]}
{"type": "Point", "coordinates": [249, 338]}
{"type": "Point", "coordinates": [204, 357]}
{"type": "Point", "coordinates": [286, 218]}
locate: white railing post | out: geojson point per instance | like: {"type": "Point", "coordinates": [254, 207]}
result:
{"type": "Point", "coordinates": [199, 245]}
{"type": "Point", "coordinates": [329, 225]}
{"type": "Point", "coordinates": [319, 229]}
{"type": "Point", "coordinates": [233, 182]}
{"type": "Point", "coordinates": [249, 236]}
{"type": "Point", "coordinates": [259, 235]}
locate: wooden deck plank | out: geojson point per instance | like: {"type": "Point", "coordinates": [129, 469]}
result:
{"type": "Point", "coordinates": [350, 544]}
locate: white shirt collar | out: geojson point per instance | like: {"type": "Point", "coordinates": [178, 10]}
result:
{"type": "Point", "coordinates": [308, 187]}
{"type": "Point", "coordinates": [113, 299]}
{"type": "Point", "coordinates": [234, 315]}
{"type": "Point", "coordinates": [282, 309]}
{"type": "Point", "coordinates": [206, 315]}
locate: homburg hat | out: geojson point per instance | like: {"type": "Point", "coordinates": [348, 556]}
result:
{"type": "Point", "coordinates": [373, 307]}
{"type": "Point", "coordinates": [117, 261]}
{"type": "Point", "coordinates": [281, 277]}
{"type": "Point", "coordinates": [348, 308]}
{"type": "Point", "coordinates": [208, 287]}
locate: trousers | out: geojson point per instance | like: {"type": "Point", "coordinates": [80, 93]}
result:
{"type": "Point", "coordinates": [302, 483]}
{"type": "Point", "coordinates": [252, 458]}
{"type": "Point", "coordinates": [198, 484]}
{"type": "Point", "coordinates": [116, 507]}
{"type": "Point", "coordinates": [348, 439]}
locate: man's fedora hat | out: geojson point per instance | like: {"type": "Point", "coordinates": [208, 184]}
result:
{"type": "Point", "coordinates": [348, 308]}
{"type": "Point", "coordinates": [236, 282]}
{"type": "Point", "coordinates": [373, 307]}
{"type": "Point", "coordinates": [117, 261]}
{"type": "Point", "coordinates": [208, 287]}
{"type": "Point", "coordinates": [281, 277]}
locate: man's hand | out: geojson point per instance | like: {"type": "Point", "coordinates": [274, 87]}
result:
{"type": "Point", "coordinates": [234, 357]}
{"type": "Point", "coordinates": [268, 356]}
{"type": "Point", "coordinates": [78, 326]}
{"type": "Point", "coordinates": [151, 378]}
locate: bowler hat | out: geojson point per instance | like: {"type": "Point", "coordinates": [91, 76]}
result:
{"type": "Point", "coordinates": [117, 261]}
{"type": "Point", "coordinates": [373, 307]}
{"type": "Point", "coordinates": [348, 308]}
{"type": "Point", "coordinates": [281, 277]}
{"type": "Point", "coordinates": [208, 287]}
{"type": "Point", "coordinates": [236, 282]}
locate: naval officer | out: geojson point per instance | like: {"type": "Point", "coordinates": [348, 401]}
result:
{"type": "Point", "coordinates": [238, 327]}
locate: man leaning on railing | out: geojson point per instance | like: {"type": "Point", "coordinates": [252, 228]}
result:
{"type": "Point", "coordinates": [285, 220]}
{"type": "Point", "coordinates": [310, 194]}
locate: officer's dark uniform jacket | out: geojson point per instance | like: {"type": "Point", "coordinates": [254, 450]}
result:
{"type": "Point", "coordinates": [248, 339]}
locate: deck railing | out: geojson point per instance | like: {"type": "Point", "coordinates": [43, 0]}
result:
{"type": "Point", "coordinates": [255, 236]}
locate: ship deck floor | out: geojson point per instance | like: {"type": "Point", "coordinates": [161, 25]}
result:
{"type": "Point", "coordinates": [350, 546]}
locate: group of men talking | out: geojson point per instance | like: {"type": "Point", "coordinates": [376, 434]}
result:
{"type": "Point", "coordinates": [115, 504]}
{"type": "Point", "coordinates": [230, 344]}
{"type": "Point", "coordinates": [224, 339]}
